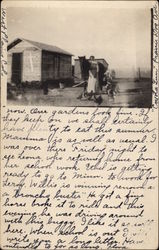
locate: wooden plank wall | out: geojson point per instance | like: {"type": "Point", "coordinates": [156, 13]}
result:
{"type": "Point", "coordinates": [31, 65]}
{"type": "Point", "coordinates": [31, 62]}
{"type": "Point", "coordinates": [55, 66]}
{"type": "Point", "coordinates": [65, 67]}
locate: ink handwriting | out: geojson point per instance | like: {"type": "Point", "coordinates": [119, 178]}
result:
{"type": "Point", "coordinates": [72, 191]}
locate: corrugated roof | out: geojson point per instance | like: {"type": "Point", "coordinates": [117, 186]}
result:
{"type": "Point", "coordinates": [41, 46]}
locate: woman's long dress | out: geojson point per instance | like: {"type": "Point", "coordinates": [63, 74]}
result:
{"type": "Point", "coordinates": [93, 85]}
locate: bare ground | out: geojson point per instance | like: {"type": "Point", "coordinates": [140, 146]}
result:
{"type": "Point", "coordinates": [130, 94]}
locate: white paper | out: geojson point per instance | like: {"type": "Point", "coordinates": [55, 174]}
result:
{"type": "Point", "coordinates": [79, 177]}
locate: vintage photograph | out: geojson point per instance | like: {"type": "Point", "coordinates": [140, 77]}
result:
{"type": "Point", "coordinates": [82, 57]}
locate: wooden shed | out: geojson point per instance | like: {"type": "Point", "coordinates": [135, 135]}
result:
{"type": "Point", "coordinates": [30, 61]}
{"type": "Point", "coordinates": [77, 67]}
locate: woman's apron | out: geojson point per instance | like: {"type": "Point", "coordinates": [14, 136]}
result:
{"type": "Point", "coordinates": [93, 85]}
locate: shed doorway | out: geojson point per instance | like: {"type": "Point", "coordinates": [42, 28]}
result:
{"type": "Point", "coordinates": [17, 68]}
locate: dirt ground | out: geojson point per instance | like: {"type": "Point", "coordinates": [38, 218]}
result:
{"type": "Point", "coordinates": [130, 94]}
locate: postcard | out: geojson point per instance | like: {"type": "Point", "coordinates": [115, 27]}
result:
{"type": "Point", "coordinates": [79, 125]}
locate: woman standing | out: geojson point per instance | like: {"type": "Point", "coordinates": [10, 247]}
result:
{"type": "Point", "coordinates": [93, 82]}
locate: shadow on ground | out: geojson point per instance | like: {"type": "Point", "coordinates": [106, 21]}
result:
{"type": "Point", "coordinates": [130, 94]}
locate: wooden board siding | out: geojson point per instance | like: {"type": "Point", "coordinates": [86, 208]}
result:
{"type": "Point", "coordinates": [65, 67]}
{"type": "Point", "coordinates": [31, 62]}
{"type": "Point", "coordinates": [37, 64]}
{"type": "Point", "coordinates": [55, 66]}
{"type": "Point", "coordinates": [31, 65]}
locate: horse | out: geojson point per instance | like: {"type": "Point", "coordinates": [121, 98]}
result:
{"type": "Point", "coordinates": [101, 72]}
{"type": "Point", "coordinates": [85, 67]}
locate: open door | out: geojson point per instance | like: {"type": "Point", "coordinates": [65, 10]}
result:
{"type": "Point", "coordinates": [17, 67]}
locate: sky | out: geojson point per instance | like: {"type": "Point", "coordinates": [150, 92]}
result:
{"type": "Point", "coordinates": [121, 36]}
